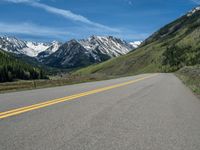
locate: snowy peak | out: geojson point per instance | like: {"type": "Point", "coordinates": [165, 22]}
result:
{"type": "Point", "coordinates": [54, 46]}
{"type": "Point", "coordinates": [70, 55]}
{"type": "Point", "coordinates": [14, 41]}
{"type": "Point", "coordinates": [106, 45]}
{"type": "Point", "coordinates": [74, 53]}
{"type": "Point", "coordinates": [38, 47]}
{"type": "Point", "coordinates": [32, 49]}
{"type": "Point", "coordinates": [44, 50]}
{"type": "Point", "coordinates": [14, 45]}
{"type": "Point", "coordinates": [11, 43]}
{"type": "Point", "coordinates": [80, 53]}
{"type": "Point", "coordinates": [136, 44]}
{"type": "Point", "coordinates": [190, 13]}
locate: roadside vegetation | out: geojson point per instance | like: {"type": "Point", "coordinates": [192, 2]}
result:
{"type": "Point", "coordinates": [191, 77]}
{"type": "Point", "coordinates": [53, 81]}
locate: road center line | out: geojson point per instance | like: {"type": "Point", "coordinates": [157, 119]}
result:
{"type": "Point", "coordinates": [67, 98]}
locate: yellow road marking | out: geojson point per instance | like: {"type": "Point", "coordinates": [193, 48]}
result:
{"type": "Point", "coordinates": [67, 98]}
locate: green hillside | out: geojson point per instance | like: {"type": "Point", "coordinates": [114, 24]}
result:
{"type": "Point", "coordinates": [172, 47]}
{"type": "Point", "coordinates": [12, 69]}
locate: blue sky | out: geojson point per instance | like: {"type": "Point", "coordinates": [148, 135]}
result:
{"type": "Point", "coordinates": [47, 20]}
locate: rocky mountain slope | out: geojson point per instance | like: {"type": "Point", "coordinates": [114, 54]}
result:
{"type": "Point", "coordinates": [72, 54]}
{"type": "Point", "coordinates": [14, 45]}
{"type": "Point", "coordinates": [55, 45]}
{"type": "Point", "coordinates": [80, 53]}
{"type": "Point", "coordinates": [69, 55]}
{"type": "Point", "coordinates": [32, 49]}
{"type": "Point", "coordinates": [110, 45]}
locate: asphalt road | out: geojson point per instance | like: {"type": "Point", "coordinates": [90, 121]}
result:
{"type": "Point", "coordinates": [142, 112]}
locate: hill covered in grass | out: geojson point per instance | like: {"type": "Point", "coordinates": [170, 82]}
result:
{"type": "Point", "coordinates": [11, 69]}
{"type": "Point", "coordinates": [172, 47]}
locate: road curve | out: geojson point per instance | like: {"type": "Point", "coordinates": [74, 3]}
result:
{"type": "Point", "coordinates": [145, 112]}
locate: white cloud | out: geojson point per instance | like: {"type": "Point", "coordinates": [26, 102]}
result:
{"type": "Point", "coordinates": [67, 32]}
{"type": "Point", "coordinates": [31, 29]}
{"type": "Point", "coordinates": [62, 33]}
{"type": "Point", "coordinates": [64, 13]}
{"type": "Point", "coordinates": [196, 1]}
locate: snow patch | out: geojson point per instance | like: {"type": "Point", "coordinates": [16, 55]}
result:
{"type": "Point", "coordinates": [193, 11]}
{"type": "Point", "coordinates": [32, 49]}
{"type": "Point", "coordinates": [110, 46]}
{"type": "Point", "coordinates": [136, 44]}
{"type": "Point", "coordinates": [37, 47]}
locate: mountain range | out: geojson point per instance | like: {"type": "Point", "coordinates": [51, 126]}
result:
{"type": "Point", "coordinates": [71, 54]}
{"type": "Point", "coordinates": [80, 53]}
{"type": "Point", "coordinates": [31, 49]}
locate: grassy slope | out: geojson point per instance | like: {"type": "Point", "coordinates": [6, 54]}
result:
{"type": "Point", "coordinates": [125, 65]}
{"type": "Point", "coordinates": [167, 50]}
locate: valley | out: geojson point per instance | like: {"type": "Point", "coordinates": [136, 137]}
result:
{"type": "Point", "coordinates": [172, 47]}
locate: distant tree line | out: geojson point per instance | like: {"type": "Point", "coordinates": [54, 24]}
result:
{"type": "Point", "coordinates": [12, 69]}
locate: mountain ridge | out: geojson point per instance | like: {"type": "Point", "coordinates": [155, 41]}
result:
{"type": "Point", "coordinates": [29, 48]}
{"type": "Point", "coordinates": [81, 53]}
{"type": "Point", "coordinates": [94, 49]}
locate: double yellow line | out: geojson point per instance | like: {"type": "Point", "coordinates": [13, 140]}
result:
{"type": "Point", "coordinates": [64, 99]}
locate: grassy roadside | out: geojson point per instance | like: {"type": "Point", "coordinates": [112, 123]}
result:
{"type": "Point", "coordinates": [53, 82]}
{"type": "Point", "coordinates": [191, 77]}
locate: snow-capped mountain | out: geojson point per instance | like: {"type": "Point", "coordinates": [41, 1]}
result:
{"type": "Point", "coordinates": [14, 45]}
{"type": "Point", "coordinates": [136, 44]}
{"type": "Point", "coordinates": [74, 53]}
{"type": "Point", "coordinates": [70, 55]}
{"type": "Point", "coordinates": [87, 51]}
{"type": "Point", "coordinates": [17, 46]}
{"type": "Point", "coordinates": [110, 45]}
{"type": "Point", "coordinates": [55, 45]}
{"type": "Point", "coordinates": [38, 47]}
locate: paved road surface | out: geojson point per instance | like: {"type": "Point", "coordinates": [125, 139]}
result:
{"type": "Point", "coordinates": [155, 113]}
